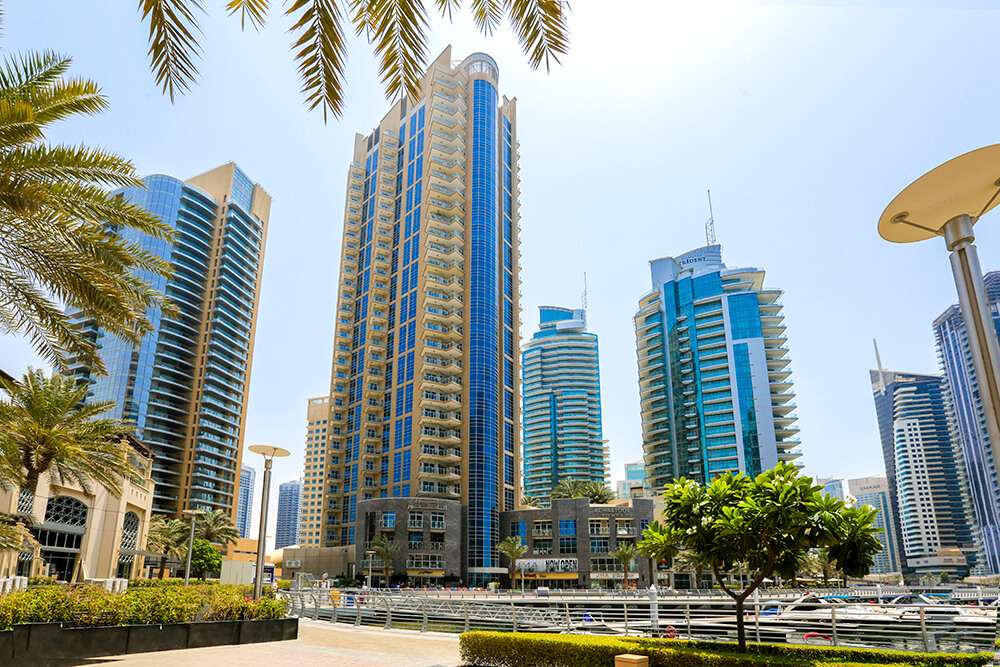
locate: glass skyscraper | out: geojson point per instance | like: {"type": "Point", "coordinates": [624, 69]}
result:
{"type": "Point", "coordinates": [561, 385]}
{"type": "Point", "coordinates": [874, 492]}
{"type": "Point", "coordinates": [286, 532]}
{"type": "Point", "coordinates": [714, 379]}
{"type": "Point", "coordinates": [925, 481]}
{"type": "Point", "coordinates": [185, 385]}
{"type": "Point", "coordinates": [425, 397]}
{"type": "Point", "coordinates": [244, 511]}
{"type": "Point", "coordinates": [966, 412]}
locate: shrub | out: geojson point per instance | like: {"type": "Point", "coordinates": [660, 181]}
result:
{"type": "Point", "coordinates": [42, 581]}
{"type": "Point", "coordinates": [284, 584]}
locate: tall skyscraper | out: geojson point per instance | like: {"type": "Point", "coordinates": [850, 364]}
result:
{"type": "Point", "coordinates": [635, 480]}
{"type": "Point", "coordinates": [966, 412]}
{"type": "Point", "coordinates": [314, 475]}
{"type": "Point", "coordinates": [714, 378]}
{"type": "Point", "coordinates": [562, 404]}
{"type": "Point", "coordinates": [874, 492]}
{"type": "Point", "coordinates": [286, 532]}
{"type": "Point", "coordinates": [185, 385]}
{"type": "Point", "coordinates": [244, 509]}
{"type": "Point", "coordinates": [425, 383]}
{"type": "Point", "coordinates": [924, 475]}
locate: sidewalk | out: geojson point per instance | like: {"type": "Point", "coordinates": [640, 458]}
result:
{"type": "Point", "coordinates": [319, 643]}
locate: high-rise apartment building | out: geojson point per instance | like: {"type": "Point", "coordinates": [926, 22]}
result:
{"type": "Point", "coordinates": [634, 484]}
{"type": "Point", "coordinates": [244, 509]}
{"type": "Point", "coordinates": [314, 474]}
{"type": "Point", "coordinates": [286, 531]}
{"type": "Point", "coordinates": [185, 385]}
{"type": "Point", "coordinates": [561, 385]}
{"type": "Point", "coordinates": [425, 383]}
{"type": "Point", "coordinates": [714, 377]}
{"type": "Point", "coordinates": [924, 475]}
{"type": "Point", "coordinates": [966, 411]}
{"type": "Point", "coordinates": [874, 492]}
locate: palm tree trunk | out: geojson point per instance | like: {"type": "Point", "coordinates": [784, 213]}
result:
{"type": "Point", "coordinates": [163, 565]}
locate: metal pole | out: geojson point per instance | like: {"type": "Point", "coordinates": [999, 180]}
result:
{"type": "Point", "coordinates": [983, 345]}
{"type": "Point", "coordinates": [187, 570]}
{"type": "Point", "coordinates": [833, 623]}
{"type": "Point", "coordinates": [923, 630]}
{"type": "Point", "coordinates": [258, 583]}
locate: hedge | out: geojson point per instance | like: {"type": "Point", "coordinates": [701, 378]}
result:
{"type": "Point", "coordinates": [505, 649]}
{"type": "Point", "coordinates": [95, 606]}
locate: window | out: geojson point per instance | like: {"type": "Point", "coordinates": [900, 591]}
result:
{"type": "Point", "coordinates": [388, 519]}
{"type": "Point", "coordinates": [542, 547]}
{"type": "Point", "coordinates": [416, 521]}
{"type": "Point", "coordinates": [600, 546]}
{"type": "Point", "coordinates": [567, 545]}
{"type": "Point", "coordinates": [542, 528]}
{"type": "Point", "coordinates": [425, 561]}
{"type": "Point", "coordinates": [567, 527]}
{"type": "Point", "coordinates": [519, 528]}
{"type": "Point", "coordinates": [437, 520]}
{"type": "Point", "coordinates": [598, 527]}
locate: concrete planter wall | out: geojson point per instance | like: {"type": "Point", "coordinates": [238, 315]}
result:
{"type": "Point", "coordinates": [28, 644]}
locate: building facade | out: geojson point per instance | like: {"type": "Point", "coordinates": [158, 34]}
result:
{"type": "Point", "coordinates": [185, 385]}
{"type": "Point", "coordinates": [570, 543]}
{"type": "Point", "coordinates": [561, 385]}
{"type": "Point", "coordinates": [425, 396]}
{"type": "Point", "coordinates": [244, 508]}
{"type": "Point", "coordinates": [968, 421]}
{"type": "Point", "coordinates": [874, 492]}
{"type": "Point", "coordinates": [286, 531]}
{"type": "Point", "coordinates": [714, 376]}
{"type": "Point", "coordinates": [315, 474]}
{"type": "Point", "coordinates": [924, 475]}
{"type": "Point", "coordinates": [634, 484]}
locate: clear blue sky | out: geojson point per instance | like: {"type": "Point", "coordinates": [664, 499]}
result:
{"type": "Point", "coordinates": [804, 118]}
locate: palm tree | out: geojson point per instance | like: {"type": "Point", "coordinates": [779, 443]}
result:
{"type": "Point", "coordinates": [686, 560]}
{"type": "Point", "coordinates": [514, 550]}
{"type": "Point", "coordinates": [386, 549]}
{"type": "Point", "coordinates": [657, 544]}
{"type": "Point", "coordinates": [625, 554]}
{"type": "Point", "coordinates": [530, 501]}
{"type": "Point", "coordinates": [169, 537]}
{"type": "Point", "coordinates": [61, 230]}
{"type": "Point", "coordinates": [217, 527]}
{"type": "Point", "coordinates": [46, 427]}
{"type": "Point", "coordinates": [576, 488]}
{"type": "Point", "coordinates": [396, 29]}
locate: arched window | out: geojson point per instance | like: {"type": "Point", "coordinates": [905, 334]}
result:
{"type": "Point", "coordinates": [67, 511]}
{"type": "Point", "coordinates": [128, 542]}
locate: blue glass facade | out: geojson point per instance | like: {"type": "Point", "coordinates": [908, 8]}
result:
{"type": "Point", "coordinates": [244, 509]}
{"type": "Point", "coordinates": [286, 531]}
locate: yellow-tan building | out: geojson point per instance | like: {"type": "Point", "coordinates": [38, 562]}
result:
{"type": "Point", "coordinates": [317, 431]}
{"type": "Point", "coordinates": [84, 535]}
{"type": "Point", "coordinates": [425, 389]}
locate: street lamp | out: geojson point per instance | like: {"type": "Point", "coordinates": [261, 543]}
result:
{"type": "Point", "coordinates": [194, 517]}
{"type": "Point", "coordinates": [947, 201]}
{"type": "Point", "coordinates": [269, 453]}
{"type": "Point", "coordinates": [370, 554]}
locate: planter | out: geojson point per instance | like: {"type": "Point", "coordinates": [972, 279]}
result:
{"type": "Point", "coordinates": [217, 633]}
{"type": "Point", "coordinates": [252, 632]}
{"type": "Point", "coordinates": [161, 637]}
{"type": "Point", "coordinates": [52, 641]}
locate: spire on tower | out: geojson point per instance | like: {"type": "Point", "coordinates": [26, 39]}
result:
{"type": "Point", "coordinates": [710, 225]}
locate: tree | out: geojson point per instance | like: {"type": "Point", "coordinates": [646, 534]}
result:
{"type": "Point", "coordinates": [46, 427]}
{"type": "Point", "coordinates": [625, 554]}
{"type": "Point", "coordinates": [770, 522]}
{"type": "Point", "coordinates": [386, 549]}
{"type": "Point", "coordinates": [658, 543]}
{"type": "Point", "coordinates": [396, 29]}
{"type": "Point", "coordinates": [169, 537]}
{"type": "Point", "coordinates": [576, 488]}
{"type": "Point", "coordinates": [61, 230]}
{"type": "Point", "coordinates": [204, 558]}
{"type": "Point", "coordinates": [514, 550]}
{"type": "Point", "coordinates": [217, 527]}
{"type": "Point", "coordinates": [530, 501]}
{"type": "Point", "coordinates": [686, 560]}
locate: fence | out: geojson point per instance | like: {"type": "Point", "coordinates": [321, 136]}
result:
{"type": "Point", "coordinates": [914, 627]}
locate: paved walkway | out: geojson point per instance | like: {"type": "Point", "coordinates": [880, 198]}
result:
{"type": "Point", "coordinates": [319, 643]}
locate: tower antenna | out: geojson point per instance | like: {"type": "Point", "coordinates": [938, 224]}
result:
{"type": "Point", "coordinates": [584, 290]}
{"type": "Point", "coordinates": [710, 225]}
{"type": "Point", "coordinates": [881, 372]}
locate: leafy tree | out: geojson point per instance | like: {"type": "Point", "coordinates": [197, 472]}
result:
{"type": "Point", "coordinates": [46, 427]}
{"type": "Point", "coordinates": [625, 554]}
{"type": "Point", "coordinates": [386, 549]}
{"type": "Point", "coordinates": [530, 501]}
{"type": "Point", "coordinates": [514, 550]}
{"type": "Point", "coordinates": [396, 29]}
{"type": "Point", "coordinates": [61, 230]}
{"type": "Point", "coordinates": [216, 526]}
{"type": "Point", "coordinates": [204, 558]}
{"type": "Point", "coordinates": [769, 522]}
{"type": "Point", "coordinates": [169, 537]}
{"type": "Point", "coordinates": [658, 543]}
{"type": "Point", "coordinates": [576, 488]}
{"type": "Point", "coordinates": [687, 560]}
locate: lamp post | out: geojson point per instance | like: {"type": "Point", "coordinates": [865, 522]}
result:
{"type": "Point", "coordinates": [947, 201]}
{"type": "Point", "coordinates": [269, 453]}
{"type": "Point", "coordinates": [194, 517]}
{"type": "Point", "coordinates": [370, 554]}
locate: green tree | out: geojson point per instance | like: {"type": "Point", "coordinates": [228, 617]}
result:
{"type": "Point", "coordinates": [530, 501]}
{"type": "Point", "coordinates": [217, 527]}
{"type": "Point", "coordinates": [687, 560]}
{"type": "Point", "coordinates": [769, 522]}
{"type": "Point", "coordinates": [514, 550]}
{"type": "Point", "coordinates": [387, 549]}
{"type": "Point", "coordinates": [169, 537]}
{"type": "Point", "coordinates": [204, 558]}
{"type": "Point", "coordinates": [658, 543]}
{"type": "Point", "coordinates": [576, 488]}
{"type": "Point", "coordinates": [396, 30]}
{"type": "Point", "coordinates": [625, 554]}
{"type": "Point", "coordinates": [61, 229]}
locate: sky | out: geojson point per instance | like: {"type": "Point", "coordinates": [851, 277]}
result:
{"type": "Point", "coordinates": [804, 119]}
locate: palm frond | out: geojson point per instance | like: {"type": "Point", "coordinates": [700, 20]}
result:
{"type": "Point", "coordinates": [541, 29]}
{"type": "Point", "coordinates": [30, 71]}
{"type": "Point", "coordinates": [487, 15]}
{"type": "Point", "coordinates": [320, 50]}
{"type": "Point", "coordinates": [447, 7]}
{"type": "Point", "coordinates": [255, 10]}
{"type": "Point", "coordinates": [18, 125]}
{"type": "Point", "coordinates": [400, 40]}
{"type": "Point", "coordinates": [172, 42]}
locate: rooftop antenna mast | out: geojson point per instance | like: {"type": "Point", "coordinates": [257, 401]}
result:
{"type": "Point", "coordinates": [710, 225]}
{"type": "Point", "coordinates": [584, 299]}
{"type": "Point", "coordinates": [881, 371]}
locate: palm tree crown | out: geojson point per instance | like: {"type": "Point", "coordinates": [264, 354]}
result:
{"type": "Point", "coordinates": [217, 527]}
{"type": "Point", "coordinates": [386, 549]}
{"type": "Point", "coordinates": [169, 537]}
{"type": "Point", "coordinates": [576, 488]}
{"type": "Point", "coordinates": [514, 550]}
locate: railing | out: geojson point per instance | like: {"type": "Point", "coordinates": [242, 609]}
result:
{"type": "Point", "coordinates": [927, 628]}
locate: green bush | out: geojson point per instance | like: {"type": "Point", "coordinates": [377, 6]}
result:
{"type": "Point", "coordinates": [284, 584]}
{"type": "Point", "coordinates": [42, 581]}
{"type": "Point", "coordinates": [157, 583]}
{"type": "Point", "coordinates": [505, 649]}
